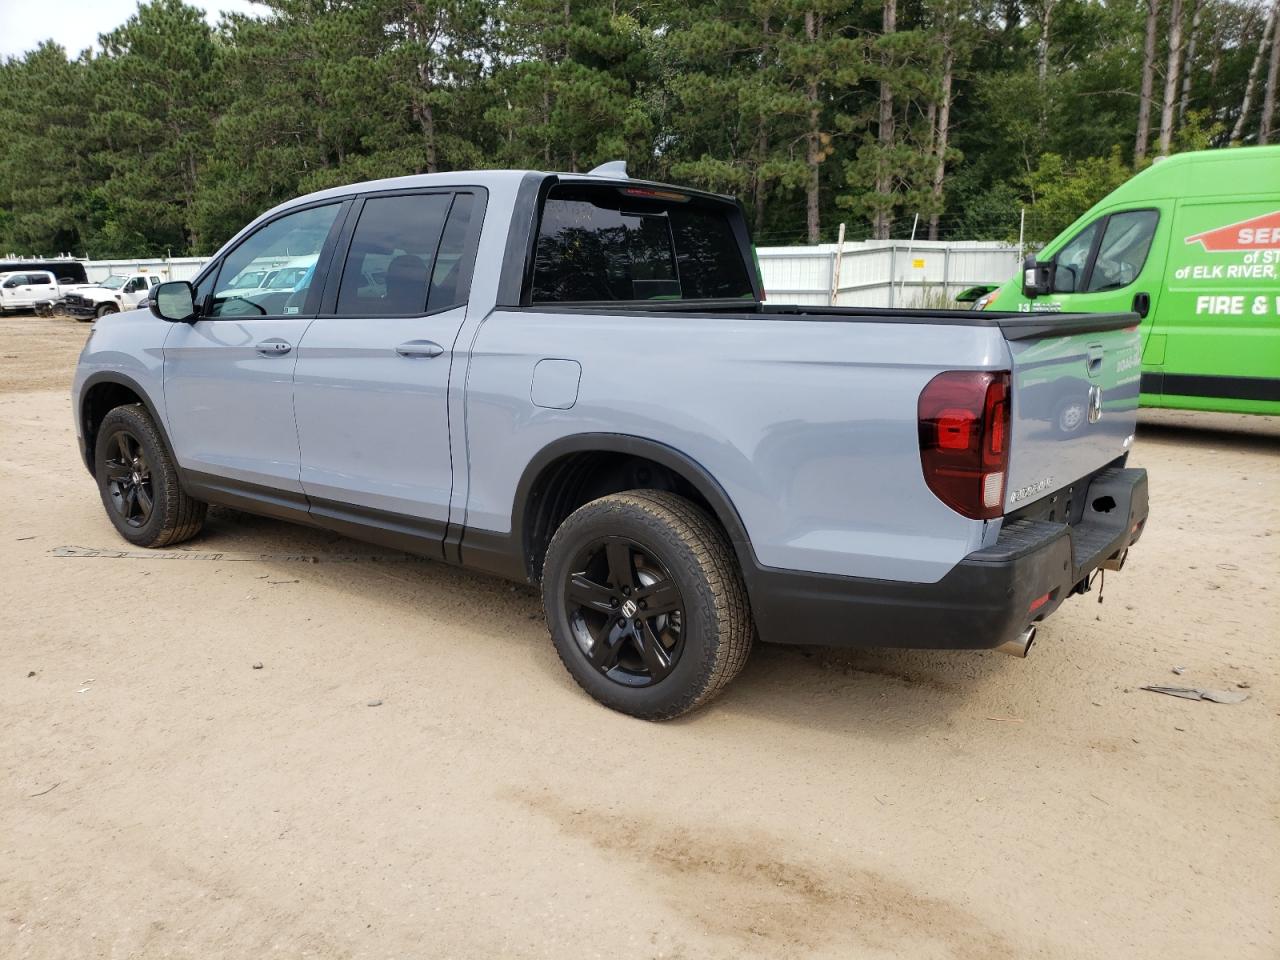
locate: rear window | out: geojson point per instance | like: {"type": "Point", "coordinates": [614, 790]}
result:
{"type": "Point", "coordinates": [635, 243]}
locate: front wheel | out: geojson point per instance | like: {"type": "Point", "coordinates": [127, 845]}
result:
{"type": "Point", "coordinates": [106, 308]}
{"type": "Point", "coordinates": [139, 484]}
{"type": "Point", "coordinates": [646, 603]}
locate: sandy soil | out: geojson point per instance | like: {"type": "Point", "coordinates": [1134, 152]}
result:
{"type": "Point", "coordinates": [160, 797]}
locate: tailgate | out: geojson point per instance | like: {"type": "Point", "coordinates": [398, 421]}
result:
{"type": "Point", "coordinates": [1075, 402]}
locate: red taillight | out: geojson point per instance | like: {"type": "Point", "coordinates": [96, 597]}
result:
{"type": "Point", "coordinates": [964, 440]}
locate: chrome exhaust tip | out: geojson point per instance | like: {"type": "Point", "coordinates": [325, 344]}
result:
{"type": "Point", "coordinates": [1020, 645]}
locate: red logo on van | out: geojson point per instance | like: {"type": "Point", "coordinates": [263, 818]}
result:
{"type": "Point", "coordinates": [1260, 233]}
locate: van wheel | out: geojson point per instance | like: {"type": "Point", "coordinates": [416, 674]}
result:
{"type": "Point", "coordinates": [646, 604]}
{"type": "Point", "coordinates": [1070, 415]}
{"type": "Point", "coordinates": [139, 482]}
{"type": "Point", "coordinates": [106, 308]}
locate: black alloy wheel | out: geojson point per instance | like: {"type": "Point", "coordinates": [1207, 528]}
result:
{"type": "Point", "coordinates": [625, 611]}
{"type": "Point", "coordinates": [128, 478]}
{"type": "Point", "coordinates": [139, 483]}
{"type": "Point", "coordinates": [646, 604]}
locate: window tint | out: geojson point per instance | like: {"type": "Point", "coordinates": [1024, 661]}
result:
{"type": "Point", "coordinates": [1071, 261]}
{"type": "Point", "coordinates": [446, 278]}
{"type": "Point", "coordinates": [393, 253]}
{"type": "Point", "coordinates": [619, 243]}
{"type": "Point", "coordinates": [1124, 248]}
{"type": "Point", "coordinates": [292, 239]}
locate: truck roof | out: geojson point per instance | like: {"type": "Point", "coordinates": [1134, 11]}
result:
{"type": "Point", "coordinates": [494, 180]}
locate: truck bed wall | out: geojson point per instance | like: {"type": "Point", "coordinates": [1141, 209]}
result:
{"type": "Point", "coordinates": [809, 426]}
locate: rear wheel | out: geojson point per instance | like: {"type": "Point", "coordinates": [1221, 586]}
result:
{"type": "Point", "coordinates": [139, 484]}
{"type": "Point", "coordinates": [646, 604]}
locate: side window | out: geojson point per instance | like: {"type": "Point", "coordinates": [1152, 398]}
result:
{"type": "Point", "coordinates": [1125, 244]}
{"type": "Point", "coordinates": [16, 281]}
{"type": "Point", "coordinates": [446, 277]}
{"type": "Point", "coordinates": [42, 279]}
{"type": "Point", "coordinates": [136, 284]}
{"type": "Point", "coordinates": [390, 264]}
{"type": "Point", "coordinates": [1071, 262]}
{"type": "Point", "coordinates": [291, 238]}
{"type": "Point", "coordinates": [155, 281]}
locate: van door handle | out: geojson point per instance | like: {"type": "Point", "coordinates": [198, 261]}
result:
{"type": "Point", "coordinates": [275, 347]}
{"type": "Point", "coordinates": [1093, 360]}
{"type": "Point", "coordinates": [419, 349]}
{"type": "Point", "coordinates": [1142, 304]}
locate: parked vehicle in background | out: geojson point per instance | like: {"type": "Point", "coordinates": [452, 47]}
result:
{"type": "Point", "coordinates": [112, 295]}
{"type": "Point", "coordinates": [1191, 245]}
{"type": "Point", "coordinates": [23, 290]}
{"type": "Point", "coordinates": [572, 380]}
{"type": "Point", "coordinates": [65, 270]}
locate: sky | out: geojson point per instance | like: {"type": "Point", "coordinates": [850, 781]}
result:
{"type": "Point", "coordinates": [76, 23]}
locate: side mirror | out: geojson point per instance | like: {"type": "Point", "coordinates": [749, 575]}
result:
{"type": "Point", "coordinates": [1037, 278]}
{"type": "Point", "coordinates": [174, 301]}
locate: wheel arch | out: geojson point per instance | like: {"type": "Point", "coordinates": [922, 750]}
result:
{"type": "Point", "coordinates": [575, 469]}
{"type": "Point", "coordinates": [101, 393]}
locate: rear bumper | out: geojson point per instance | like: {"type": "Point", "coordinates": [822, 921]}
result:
{"type": "Point", "coordinates": [986, 600]}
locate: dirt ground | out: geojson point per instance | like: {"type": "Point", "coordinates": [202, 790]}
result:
{"type": "Point", "coordinates": [160, 797]}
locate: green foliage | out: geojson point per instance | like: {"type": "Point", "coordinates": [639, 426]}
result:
{"type": "Point", "coordinates": [170, 136]}
{"type": "Point", "coordinates": [1059, 191]}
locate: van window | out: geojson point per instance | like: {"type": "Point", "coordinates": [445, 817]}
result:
{"type": "Point", "coordinates": [635, 243]}
{"type": "Point", "coordinates": [393, 253]}
{"type": "Point", "coordinates": [1125, 244]}
{"type": "Point", "coordinates": [1071, 262]}
{"type": "Point", "coordinates": [295, 235]}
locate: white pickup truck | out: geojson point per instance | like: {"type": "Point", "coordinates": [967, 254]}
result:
{"type": "Point", "coordinates": [116, 293]}
{"type": "Point", "coordinates": [22, 290]}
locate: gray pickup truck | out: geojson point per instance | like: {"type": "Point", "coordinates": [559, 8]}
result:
{"type": "Point", "coordinates": [576, 381]}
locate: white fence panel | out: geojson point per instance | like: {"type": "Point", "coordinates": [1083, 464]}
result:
{"type": "Point", "coordinates": [884, 273]}
{"type": "Point", "coordinates": [167, 268]}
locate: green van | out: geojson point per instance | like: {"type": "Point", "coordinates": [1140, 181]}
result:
{"type": "Point", "coordinates": [1191, 245]}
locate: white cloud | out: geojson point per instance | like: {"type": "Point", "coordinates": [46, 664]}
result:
{"type": "Point", "coordinates": [75, 24]}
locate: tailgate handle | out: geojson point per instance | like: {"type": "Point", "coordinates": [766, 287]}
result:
{"type": "Point", "coordinates": [1094, 361]}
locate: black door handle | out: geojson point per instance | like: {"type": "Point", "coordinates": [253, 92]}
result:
{"type": "Point", "coordinates": [1142, 304]}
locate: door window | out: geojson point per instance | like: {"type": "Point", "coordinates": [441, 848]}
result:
{"type": "Point", "coordinates": [17, 281]}
{"type": "Point", "coordinates": [1072, 260]}
{"type": "Point", "coordinates": [448, 286]}
{"type": "Point", "coordinates": [392, 260]}
{"type": "Point", "coordinates": [1123, 251]}
{"type": "Point", "coordinates": [293, 237]}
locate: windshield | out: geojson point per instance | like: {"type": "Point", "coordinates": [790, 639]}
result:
{"type": "Point", "coordinates": [114, 282]}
